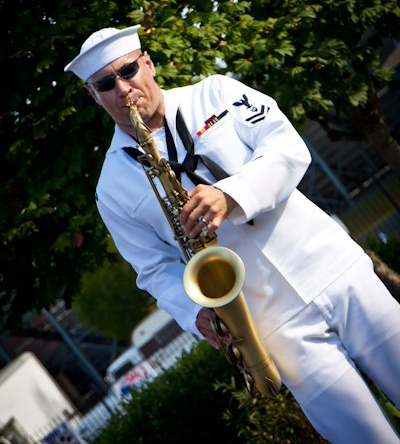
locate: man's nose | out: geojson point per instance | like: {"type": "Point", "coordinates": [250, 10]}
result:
{"type": "Point", "coordinates": [123, 86]}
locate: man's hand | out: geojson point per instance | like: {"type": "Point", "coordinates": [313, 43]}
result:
{"type": "Point", "coordinates": [203, 324]}
{"type": "Point", "coordinates": [208, 207]}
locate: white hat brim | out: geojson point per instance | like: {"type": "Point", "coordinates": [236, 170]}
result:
{"type": "Point", "coordinates": [104, 52]}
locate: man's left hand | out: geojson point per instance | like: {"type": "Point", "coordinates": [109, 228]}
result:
{"type": "Point", "coordinates": [207, 208]}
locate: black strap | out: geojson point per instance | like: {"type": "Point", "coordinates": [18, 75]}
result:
{"type": "Point", "coordinates": [191, 160]}
{"type": "Point", "coordinates": [135, 153]}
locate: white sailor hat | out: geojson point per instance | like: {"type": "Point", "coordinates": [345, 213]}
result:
{"type": "Point", "coordinates": [102, 48]}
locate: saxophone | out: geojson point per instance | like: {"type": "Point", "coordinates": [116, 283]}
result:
{"type": "Point", "coordinates": [214, 276]}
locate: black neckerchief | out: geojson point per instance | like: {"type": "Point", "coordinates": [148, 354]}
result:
{"type": "Point", "coordinates": [191, 160]}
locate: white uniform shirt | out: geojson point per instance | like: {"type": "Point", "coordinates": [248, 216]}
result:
{"type": "Point", "coordinates": [292, 252]}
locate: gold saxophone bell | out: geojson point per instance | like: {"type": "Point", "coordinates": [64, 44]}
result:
{"type": "Point", "coordinates": [214, 278]}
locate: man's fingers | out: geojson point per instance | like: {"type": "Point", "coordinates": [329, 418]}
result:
{"type": "Point", "coordinates": [215, 223]}
{"type": "Point", "coordinates": [212, 342]}
{"type": "Point", "coordinates": [207, 208]}
{"type": "Point", "coordinates": [204, 326]}
{"type": "Point", "coordinates": [187, 210]}
{"type": "Point", "coordinates": [203, 323]}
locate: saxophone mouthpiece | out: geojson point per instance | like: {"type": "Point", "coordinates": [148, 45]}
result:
{"type": "Point", "coordinates": [130, 101]}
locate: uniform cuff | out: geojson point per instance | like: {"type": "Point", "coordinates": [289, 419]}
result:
{"type": "Point", "coordinates": [247, 207]}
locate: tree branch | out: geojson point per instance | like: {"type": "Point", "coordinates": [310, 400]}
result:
{"type": "Point", "coordinates": [337, 129]}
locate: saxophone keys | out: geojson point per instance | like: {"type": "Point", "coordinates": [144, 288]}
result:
{"type": "Point", "coordinates": [235, 353]}
{"type": "Point", "coordinates": [220, 328]}
{"type": "Point", "coordinates": [271, 387]}
{"type": "Point", "coordinates": [249, 378]}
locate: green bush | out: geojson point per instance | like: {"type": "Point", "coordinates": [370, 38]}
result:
{"type": "Point", "coordinates": [180, 406]}
{"type": "Point", "coordinates": [390, 409]}
{"type": "Point", "coordinates": [277, 420]}
{"type": "Point", "coordinates": [197, 401]}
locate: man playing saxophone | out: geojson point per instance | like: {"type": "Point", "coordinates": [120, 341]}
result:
{"type": "Point", "coordinates": [311, 289]}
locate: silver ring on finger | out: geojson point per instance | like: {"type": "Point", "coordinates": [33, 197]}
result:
{"type": "Point", "coordinates": [203, 219]}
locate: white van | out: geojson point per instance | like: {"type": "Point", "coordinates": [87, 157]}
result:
{"type": "Point", "coordinates": [129, 370]}
{"type": "Point", "coordinates": [158, 342]}
{"type": "Point", "coordinates": [161, 340]}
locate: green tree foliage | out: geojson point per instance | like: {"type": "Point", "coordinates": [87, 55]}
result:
{"type": "Point", "coordinates": [313, 56]}
{"type": "Point", "coordinates": [51, 154]}
{"type": "Point", "coordinates": [110, 302]}
{"type": "Point", "coordinates": [322, 60]}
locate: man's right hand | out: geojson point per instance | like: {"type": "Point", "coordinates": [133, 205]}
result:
{"type": "Point", "coordinates": [204, 327]}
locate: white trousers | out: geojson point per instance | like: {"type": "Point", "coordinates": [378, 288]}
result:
{"type": "Point", "coordinates": [354, 323]}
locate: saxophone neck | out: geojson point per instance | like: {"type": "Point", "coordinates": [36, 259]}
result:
{"type": "Point", "coordinates": [141, 130]}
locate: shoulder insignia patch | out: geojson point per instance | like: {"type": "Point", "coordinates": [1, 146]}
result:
{"type": "Point", "coordinates": [257, 115]}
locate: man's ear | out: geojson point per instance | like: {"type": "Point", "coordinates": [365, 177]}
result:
{"type": "Point", "coordinates": [92, 93]}
{"type": "Point", "coordinates": [149, 63]}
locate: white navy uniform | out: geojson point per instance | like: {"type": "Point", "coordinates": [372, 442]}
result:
{"type": "Point", "coordinates": [294, 253]}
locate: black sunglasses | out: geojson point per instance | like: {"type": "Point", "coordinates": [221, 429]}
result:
{"type": "Point", "coordinates": [126, 72]}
